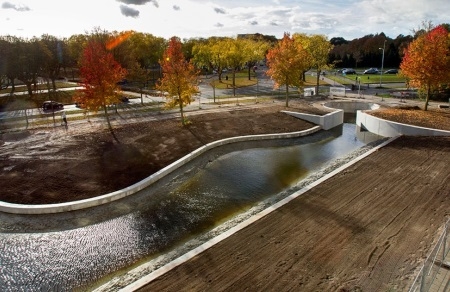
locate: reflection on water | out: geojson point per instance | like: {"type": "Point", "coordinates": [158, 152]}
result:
{"type": "Point", "coordinates": [65, 251]}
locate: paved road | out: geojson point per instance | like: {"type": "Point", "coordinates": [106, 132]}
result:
{"type": "Point", "coordinates": [205, 100]}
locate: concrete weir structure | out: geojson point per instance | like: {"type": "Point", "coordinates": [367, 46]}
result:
{"type": "Point", "coordinates": [365, 121]}
{"type": "Point", "coordinates": [351, 106]}
{"type": "Point", "coordinates": [336, 116]}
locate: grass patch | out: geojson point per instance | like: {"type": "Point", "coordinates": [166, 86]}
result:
{"type": "Point", "coordinates": [18, 102]}
{"type": "Point", "coordinates": [21, 102]}
{"type": "Point", "coordinates": [375, 78]}
{"type": "Point", "coordinates": [241, 80]}
{"type": "Point", "coordinates": [367, 79]}
{"type": "Point", "coordinates": [41, 86]}
{"type": "Point", "coordinates": [312, 81]}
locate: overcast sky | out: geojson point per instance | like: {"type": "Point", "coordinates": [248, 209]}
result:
{"type": "Point", "coordinates": [203, 18]}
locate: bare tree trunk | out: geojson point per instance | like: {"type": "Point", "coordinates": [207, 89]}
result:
{"type": "Point", "coordinates": [318, 80]}
{"type": "Point", "coordinates": [26, 118]}
{"type": "Point", "coordinates": [287, 95]}
{"type": "Point", "coordinates": [109, 124]}
{"type": "Point", "coordinates": [183, 122]}
{"type": "Point", "coordinates": [29, 88]}
{"type": "Point", "coordinates": [234, 82]}
{"type": "Point", "coordinates": [427, 99]}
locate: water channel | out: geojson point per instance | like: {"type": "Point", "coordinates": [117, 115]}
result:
{"type": "Point", "coordinates": [62, 252]}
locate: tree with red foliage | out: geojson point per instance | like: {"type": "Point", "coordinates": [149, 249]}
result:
{"type": "Point", "coordinates": [426, 62]}
{"type": "Point", "coordinates": [179, 79]}
{"type": "Point", "coordinates": [100, 74]}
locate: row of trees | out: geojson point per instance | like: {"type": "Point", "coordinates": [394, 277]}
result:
{"type": "Point", "coordinates": [365, 51]}
{"type": "Point", "coordinates": [288, 60]}
{"type": "Point", "coordinates": [102, 58]}
{"type": "Point", "coordinates": [52, 57]}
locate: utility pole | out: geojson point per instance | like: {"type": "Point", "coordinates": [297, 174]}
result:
{"type": "Point", "coordinates": [382, 61]}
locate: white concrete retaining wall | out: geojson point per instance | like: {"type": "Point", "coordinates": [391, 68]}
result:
{"type": "Point", "coordinates": [351, 106]}
{"type": "Point", "coordinates": [338, 91]}
{"type": "Point", "coordinates": [327, 121]}
{"type": "Point", "coordinates": [82, 204]}
{"type": "Point", "coordinates": [391, 129]}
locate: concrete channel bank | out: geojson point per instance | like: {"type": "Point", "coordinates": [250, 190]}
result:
{"type": "Point", "coordinates": [104, 199]}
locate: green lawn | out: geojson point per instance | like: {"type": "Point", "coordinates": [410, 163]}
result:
{"type": "Point", "coordinates": [17, 102]}
{"type": "Point", "coordinates": [22, 88]}
{"type": "Point", "coordinates": [367, 79]}
{"type": "Point", "coordinates": [375, 78]}
{"type": "Point", "coordinates": [241, 80]}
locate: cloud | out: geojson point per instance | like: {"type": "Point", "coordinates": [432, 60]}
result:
{"type": "Point", "coordinates": [176, 8]}
{"type": "Point", "coordinates": [220, 10]}
{"type": "Point", "coordinates": [8, 5]}
{"type": "Point", "coordinates": [129, 12]}
{"type": "Point", "coordinates": [140, 2]}
{"type": "Point", "coordinates": [273, 23]}
{"type": "Point", "coordinates": [218, 24]}
{"type": "Point", "coordinates": [254, 22]}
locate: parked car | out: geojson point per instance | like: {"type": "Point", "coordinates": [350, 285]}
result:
{"type": "Point", "coordinates": [391, 71]}
{"type": "Point", "coordinates": [341, 70]}
{"type": "Point", "coordinates": [371, 71]}
{"type": "Point", "coordinates": [122, 82]}
{"type": "Point", "coordinates": [51, 105]}
{"type": "Point", "coordinates": [349, 71]}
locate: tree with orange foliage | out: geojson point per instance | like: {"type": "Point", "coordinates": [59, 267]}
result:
{"type": "Point", "coordinates": [179, 79]}
{"type": "Point", "coordinates": [100, 74]}
{"type": "Point", "coordinates": [426, 62]}
{"type": "Point", "coordinates": [286, 63]}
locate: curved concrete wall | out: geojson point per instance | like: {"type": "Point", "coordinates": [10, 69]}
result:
{"type": "Point", "coordinates": [327, 121]}
{"type": "Point", "coordinates": [351, 106]}
{"type": "Point", "coordinates": [391, 129]}
{"type": "Point", "coordinates": [82, 204]}
{"type": "Point", "coordinates": [336, 117]}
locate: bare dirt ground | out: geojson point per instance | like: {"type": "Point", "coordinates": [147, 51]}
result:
{"type": "Point", "coordinates": [45, 166]}
{"type": "Point", "coordinates": [433, 118]}
{"type": "Point", "coordinates": [365, 229]}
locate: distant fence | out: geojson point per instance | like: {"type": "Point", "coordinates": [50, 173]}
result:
{"type": "Point", "coordinates": [436, 260]}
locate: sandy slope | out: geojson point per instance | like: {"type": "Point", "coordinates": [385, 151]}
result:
{"type": "Point", "coordinates": [368, 228]}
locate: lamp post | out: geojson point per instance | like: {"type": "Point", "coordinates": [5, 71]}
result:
{"type": "Point", "coordinates": [382, 61]}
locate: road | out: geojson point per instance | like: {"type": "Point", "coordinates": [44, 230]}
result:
{"type": "Point", "coordinates": [152, 99]}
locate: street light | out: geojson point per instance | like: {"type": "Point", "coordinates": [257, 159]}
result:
{"type": "Point", "coordinates": [382, 61]}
